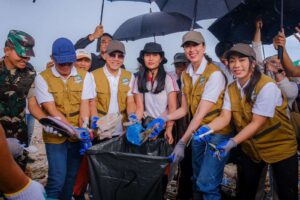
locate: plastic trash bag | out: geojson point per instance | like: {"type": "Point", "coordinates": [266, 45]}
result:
{"type": "Point", "coordinates": [123, 171]}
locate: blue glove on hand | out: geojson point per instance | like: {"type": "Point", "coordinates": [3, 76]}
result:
{"type": "Point", "coordinates": [133, 118]}
{"type": "Point", "coordinates": [225, 146]}
{"type": "Point", "coordinates": [199, 134]}
{"type": "Point", "coordinates": [158, 125]}
{"type": "Point", "coordinates": [133, 134]}
{"type": "Point", "coordinates": [85, 139]}
{"type": "Point", "coordinates": [94, 121]}
{"type": "Point", "coordinates": [178, 152]}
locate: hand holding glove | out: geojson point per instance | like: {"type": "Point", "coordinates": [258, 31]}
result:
{"type": "Point", "coordinates": [203, 134]}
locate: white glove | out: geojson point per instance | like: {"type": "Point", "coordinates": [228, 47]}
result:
{"type": "Point", "coordinates": [51, 130]}
{"type": "Point", "coordinates": [33, 190]}
{"type": "Point", "coordinates": [15, 147]}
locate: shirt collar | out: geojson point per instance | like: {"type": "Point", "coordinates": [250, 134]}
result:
{"type": "Point", "coordinates": [56, 74]}
{"type": "Point", "coordinates": [200, 70]}
{"type": "Point", "coordinates": [108, 74]}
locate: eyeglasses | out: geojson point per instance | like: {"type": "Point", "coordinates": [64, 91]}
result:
{"type": "Point", "coordinates": [116, 55]}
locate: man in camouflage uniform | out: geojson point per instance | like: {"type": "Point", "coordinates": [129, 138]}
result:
{"type": "Point", "coordinates": [16, 84]}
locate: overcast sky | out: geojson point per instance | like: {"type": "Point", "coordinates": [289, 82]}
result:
{"type": "Point", "coordinates": [47, 20]}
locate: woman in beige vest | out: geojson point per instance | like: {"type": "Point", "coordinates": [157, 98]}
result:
{"type": "Point", "coordinates": [257, 108]}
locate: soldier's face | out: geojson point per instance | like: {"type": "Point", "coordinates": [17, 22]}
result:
{"type": "Point", "coordinates": [13, 59]}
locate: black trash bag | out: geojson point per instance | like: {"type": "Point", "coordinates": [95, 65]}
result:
{"type": "Point", "coordinates": [122, 171]}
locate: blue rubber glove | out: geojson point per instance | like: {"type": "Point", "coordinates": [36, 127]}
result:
{"type": "Point", "coordinates": [133, 134]}
{"type": "Point", "coordinates": [158, 123]}
{"type": "Point", "coordinates": [178, 152]}
{"type": "Point", "coordinates": [94, 121]}
{"type": "Point", "coordinates": [133, 118]}
{"type": "Point", "coordinates": [198, 135]}
{"type": "Point", "coordinates": [85, 139]}
{"type": "Point", "coordinates": [225, 146]}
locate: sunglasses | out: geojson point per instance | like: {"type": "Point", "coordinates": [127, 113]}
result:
{"type": "Point", "coordinates": [116, 55]}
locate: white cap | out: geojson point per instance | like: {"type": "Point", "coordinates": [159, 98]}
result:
{"type": "Point", "coordinates": [82, 53]}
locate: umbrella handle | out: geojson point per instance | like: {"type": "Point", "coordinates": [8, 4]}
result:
{"type": "Point", "coordinates": [102, 9]}
{"type": "Point", "coordinates": [280, 54]}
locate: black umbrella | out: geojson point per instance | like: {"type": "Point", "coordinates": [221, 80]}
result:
{"type": "Point", "coordinates": [239, 24]}
{"type": "Point", "coordinates": [153, 24]}
{"type": "Point", "coordinates": [198, 9]}
{"type": "Point", "coordinates": [101, 16]}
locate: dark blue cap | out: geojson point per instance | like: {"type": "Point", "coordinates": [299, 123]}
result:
{"type": "Point", "coordinates": [63, 51]}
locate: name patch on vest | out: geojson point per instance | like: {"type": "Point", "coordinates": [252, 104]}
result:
{"type": "Point", "coordinates": [77, 79]}
{"type": "Point", "coordinates": [125, 81]}
{"type": "Point", "coordinates": [202, 80]}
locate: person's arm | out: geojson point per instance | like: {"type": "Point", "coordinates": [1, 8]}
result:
{"type": "Point", "coordinates": [139, 100]}
{"type": "Point", "coordinates": [93, 107]}
{"type": "Point", "coordinates": [251, 129]}
{"type": "Point", "coordinates": [291, 70]}
{"type": "Point", "coordinates": [52, 110]}
{"type": "Point", "coordinates": [172, 103]}
{"type": "Point", "coordinates": [180, 112]}
{"type": "Point", "coordinates": [84, 111]}
{"type": "Point", "coordinates": [203, 108]}
{"type": "Point", "coordinates": [257, 44]}
{"type": "Point", "coordinates": [83, 42]}
{"type": "Point", "coordinates": [35, 109]}
{"type": "Point", "coordinates": [221, 121]}
{"type": "Point", "coordinates": [290, 89]}
{"type": "Point", "coordinates": [12, 178]}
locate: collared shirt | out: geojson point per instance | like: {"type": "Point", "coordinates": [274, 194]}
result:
{"type": "Point", "coordinates": [41, 87]}
{"type": "Point", "coordinates": [114, 86]}
{"type": "Point", "coordinates": [266, 100]}
{"type": "Point", "coordinates": [213, 87]}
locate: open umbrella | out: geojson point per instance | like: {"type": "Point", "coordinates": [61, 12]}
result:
{"type": "Point", "coordinates": [153, 24]}
{"type": "Point", "coordinates": [198, 9]}
{"type": "Point", "coordinates": [239, 24]}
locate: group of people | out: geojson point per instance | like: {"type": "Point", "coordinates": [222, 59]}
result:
{"type": "Point", "coordinates": [204, 109]}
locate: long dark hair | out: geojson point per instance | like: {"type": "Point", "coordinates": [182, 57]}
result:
{"type": "Point", "coordinates": [143, 78]}
{"type": "Point", "coordinates": [248, 90]}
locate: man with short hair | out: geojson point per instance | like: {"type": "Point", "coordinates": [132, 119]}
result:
{"type": "Point", "coordinates": [83, 59]}
{"type": "Point", "coordinates": [16, 85]}
{"type": "Point", "coordinates": [98, 61]}
{"type": "Point", "coordinates": [180, 64]}
{"type": "Point", "coordinates": [64, 92]}
{"type": "Point", "coordinates": [113, 85]}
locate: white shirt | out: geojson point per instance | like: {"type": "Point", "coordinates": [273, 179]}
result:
{"type": "Point", "coordinates": [41, 86]}
{"type": "Point", "coordinates": [156, 104]}
{"type": "Point", "coordinates": [213, 87]}
{"type": "Point", "coordinates": [114, 86]}
{"type": "Point", "coordinates": [226, 71]}
{"type": "Point", "coordinates": [266, 100]}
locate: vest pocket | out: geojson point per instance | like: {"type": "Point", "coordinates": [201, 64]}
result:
{"type": "Point", "coordinates": [75, 95]}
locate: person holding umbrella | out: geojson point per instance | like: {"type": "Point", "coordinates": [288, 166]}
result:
{"type": "Point", "coordinates": [264, 130]}
{"type": "Point", "coordinates": [98, 61]}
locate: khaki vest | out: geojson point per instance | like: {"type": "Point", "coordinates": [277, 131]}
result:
{"type": "Point", "coordinates": [67, 98]}
{"type": "Point", "coordinates": [103, 91]}
{"type": "Point", "coordinates": [194, 94]}
{"type": "Point", "coordinates": [273, 142]}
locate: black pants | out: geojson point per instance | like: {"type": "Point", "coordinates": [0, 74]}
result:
{"type": "Point", "coordinates": [285, 175]}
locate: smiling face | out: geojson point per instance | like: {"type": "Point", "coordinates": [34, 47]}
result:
{"type": "Point", "coordinates": [152, 60]}
{"type": "Point", "coordinates": [83, 63]}
{"type": "Point", "coordinates": [12, 59]}
{"type": "Point", "coordinates": [241, 67]}
{"type": "Point", "coordinates": [105, 40]}
{"type": "Point", "coordinates": [194, 52]}
{"type": "Point", "coordinates": [114, 60]}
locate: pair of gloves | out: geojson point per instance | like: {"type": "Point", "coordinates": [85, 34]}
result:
{"type": "Point", "coordinates": [202, 135]}
{"type": "Point", "coordinates": [135, 133]}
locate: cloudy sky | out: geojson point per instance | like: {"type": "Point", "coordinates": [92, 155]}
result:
{"type": "Point", "coordinates": [47, 20]}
